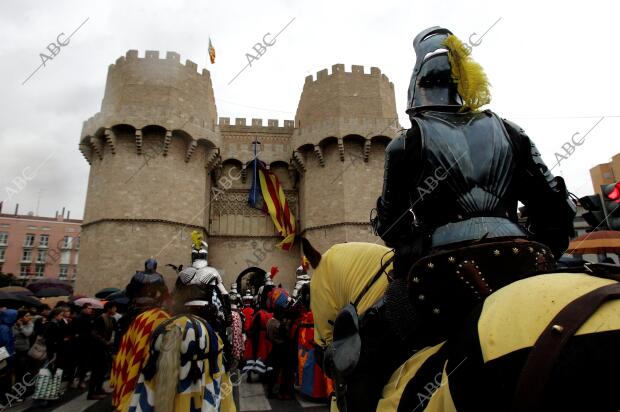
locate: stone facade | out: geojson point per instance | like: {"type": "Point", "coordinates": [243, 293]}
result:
{"type": "Point", "coordinates": [163, 164]}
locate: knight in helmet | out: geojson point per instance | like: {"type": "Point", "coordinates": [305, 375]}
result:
{"type": "Point", "coordinates": [202, 282]}
{"type": "Point", "coordinates": [452, 183]}
{"type": "Point", "coordinates": [189, 354]}
{"type": "Point", "coordinates": [147, 292]}
{"type": "Point", "coordinates": [451, 187]}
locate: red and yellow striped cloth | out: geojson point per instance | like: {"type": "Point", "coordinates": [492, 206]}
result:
{"type": "Point", "coordinates": [275, 203]}
{"type": "Point", "coordinates": [131, 356]}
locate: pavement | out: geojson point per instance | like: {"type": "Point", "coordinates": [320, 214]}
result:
{"type": "Point", "coordinates": [249, 397]}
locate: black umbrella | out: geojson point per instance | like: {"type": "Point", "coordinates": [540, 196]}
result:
{"type": "Point", "coordinates": [104, 293]}
{"type": "Point", "coordinates": [120, 298]}
{"type": "Point", "coordinates": [52, 291]}
{"type": "Point", "coordinates": [15, 301]}
{"type": "Point", "coordinates": [47, 283]}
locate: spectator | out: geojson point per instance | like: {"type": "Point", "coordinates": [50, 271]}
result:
{"type": "Point", "coordinates": [103, 341]}
{"type": "Point", "coordinates": [82, 327]}
{"type": "Point", "coordinates": [53, 333]}
{"type": "Point", "coordinates": [22, 330]}
{"type": "Point", "coordinates": [7, 340]}
{"type": "Point", "coordinates": [39, 320]}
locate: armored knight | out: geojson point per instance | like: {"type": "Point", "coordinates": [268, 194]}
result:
{"type": "Point", "coordinates": [147, 291]}
{"type": "Point", "coordinates": [302, 279]}
{"type": "Point", "coordinates": [451, 188]}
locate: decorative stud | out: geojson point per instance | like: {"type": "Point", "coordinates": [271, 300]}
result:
{"type": "Point", "coordinates": [515, 250]}
{"type": "Point", "coordinates": [543, 251]}
{"type": "Point", "coordinates": [436, 311]}
{"type": "Point", "coordinates": [430, 265]}
{"type": "Point", "coordinates": [451, 259]}
{"type": "Point", "coordinates": [558, 328]}
{"type": "Point", "coordinates": [421, 297]}
{"type": "Point", "coordinates": [496, 252]}
{"type": "Point", "coordinates": [416, 280]}
{"type": "Point", "coordinates": [465, 262]}
{"type": "Point", "coordinates": [460, 266]}
{"type": "Point", "coordinates": [531, 249]}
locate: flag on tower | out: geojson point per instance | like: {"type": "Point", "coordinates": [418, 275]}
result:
{"type": "Point", "coordinates": [211, 51]}
{"type": "Point", "coordinates": [267, 194]}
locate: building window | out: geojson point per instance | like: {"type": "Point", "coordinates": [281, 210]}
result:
{"type": "Point", "coordinates": [29, 240]}
{"type": "Point", "coordinates": [46, 228]}
{"type": "Point", "coordinates": [39, 271]}
{"type": "Point", "coordinates": [44, 240]}
{"type": "Point", "coordinates": [24, 271]}
{"type": "Point", "coordinates": [65, 257]}
{"type": "Point", "coordinates": [41, 256]}
{"type": "Point", "coordinates": [75, 258]}
{"type": "Point", "coordinates": [27, 256]}
{"type": "Point", "coordinates": [63, 272]}
{"type": "Point", "coordinates": [77, 242]}
{"type": "Point", "coordinates": [4, 236]}
{"type": "Point", "coordinates": [2, 252]}
{"type": "Point", "coordinates": [66, 242]}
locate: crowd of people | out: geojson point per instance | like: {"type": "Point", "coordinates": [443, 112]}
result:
{"type": "Point", "coordinates": [79, 340]}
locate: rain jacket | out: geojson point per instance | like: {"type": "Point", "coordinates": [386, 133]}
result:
{"type": "Point", "coordinates": [7, 320]}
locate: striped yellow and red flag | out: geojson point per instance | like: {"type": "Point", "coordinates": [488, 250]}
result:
{"type": "Point", "coordinates": [273, 201]}
{"type": "Point", "coordinates": [211, 52]}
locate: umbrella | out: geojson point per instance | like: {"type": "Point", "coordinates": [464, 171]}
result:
{"type": "Point", "coordinates": [120, 298]}
{"type": "Point", "coordinates": [103, 293]}
{"type": "Point", "coordinates": [95, 303]}
{"type": "Point", "coordinates": [47, 283]}
{"type": "Point", "coordinates": [15, 301]}
{"type": "Point", "coordinates": [17, 290]}
{"type": "Point", "coordinates": [48, 292]}
{"type": "Point", "coordinates": [602, 241]}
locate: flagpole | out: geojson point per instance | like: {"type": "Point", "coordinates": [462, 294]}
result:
{"type": "Point", "coordinates": [255, 168]}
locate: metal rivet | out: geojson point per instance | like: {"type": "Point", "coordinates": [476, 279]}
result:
{"type": "Point", "coordinates": [460, 266]}
{"type": "Point", "coordinates": [458, 272]}
{"type": "Point", "coordinates": [421, 297]}
{"type": "Point", "coordinates": [531, 249]}
{"type": "Point", "coordinates": [558, 328]}
{"type": "Point", "coordinates": [465, 262]}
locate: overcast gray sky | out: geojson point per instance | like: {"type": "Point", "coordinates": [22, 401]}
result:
{"type": "Point", "coordinates": [553, 68]}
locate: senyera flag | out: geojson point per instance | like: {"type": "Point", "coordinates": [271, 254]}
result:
{"type": "Point", "coordinates": [267, 195]}
{"type": "Point", "coordinates": [211, 52]}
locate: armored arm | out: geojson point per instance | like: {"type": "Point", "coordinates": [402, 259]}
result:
{"type": "Point", "coordinates": [548, 208]}
{"type": "Point", "coordinates": [393, 222]}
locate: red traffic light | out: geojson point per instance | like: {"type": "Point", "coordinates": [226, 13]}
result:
{"type": "Point", "coordinates": [615, 193]}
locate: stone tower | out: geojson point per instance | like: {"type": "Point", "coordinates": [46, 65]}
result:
{"type": "Point", "coordinates": [163, 164]}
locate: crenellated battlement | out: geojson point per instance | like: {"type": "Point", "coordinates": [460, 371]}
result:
{"type": "Point", "coordinates": [241, 123]}
{"type": "Point", "coordinates": [339, 70]}
{"type": "Point", "coordinates": [152, 56]}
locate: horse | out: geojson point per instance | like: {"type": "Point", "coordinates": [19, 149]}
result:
{"type": "Point", "coordinates": [518, 350]}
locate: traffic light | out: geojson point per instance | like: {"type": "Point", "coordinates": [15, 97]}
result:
{"type": "Point", "coordinates": [595, 215]}
{"type": "Point", "coordinates": [611, 199]}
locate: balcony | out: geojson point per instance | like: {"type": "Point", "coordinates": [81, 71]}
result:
{"type": "Point", "coordinates": [26, 260]}
{"type": "Point", "coordinates": [28, 245]}
{"type": "Point", "coordinates": [43, 246]}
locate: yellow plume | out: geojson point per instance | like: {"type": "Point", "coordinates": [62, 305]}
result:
{"type": "Point", "coordinates": [472, 82]}
{"type": "Point", "coordinates": [197, 239]}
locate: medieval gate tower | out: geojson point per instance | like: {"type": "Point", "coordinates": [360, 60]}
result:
{"type": "Point", "coordinates": [163, 164]}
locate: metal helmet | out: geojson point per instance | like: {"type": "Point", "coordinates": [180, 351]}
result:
{"type": "Point", "coordinates": [431, 83]}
